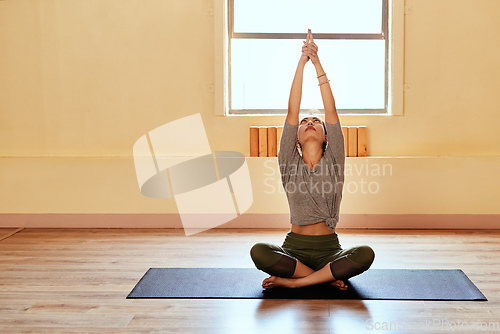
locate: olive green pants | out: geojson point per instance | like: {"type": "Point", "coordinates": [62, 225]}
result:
{"type": "Point", "coordinates": [315, 251]}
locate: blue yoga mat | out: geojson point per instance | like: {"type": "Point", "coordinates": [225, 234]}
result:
{"type": "Point", "coordinates": [243, 283]}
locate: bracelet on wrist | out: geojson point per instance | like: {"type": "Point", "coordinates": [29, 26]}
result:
{"type": "Point", "coordinates": [324, 83]}
{"type": "Point", "coordinates": [321, 75]}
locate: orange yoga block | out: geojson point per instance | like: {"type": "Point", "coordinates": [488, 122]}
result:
{"type": "Point", "coordinates": [254, 141]}
{"type": "Point", "coordinates": [262, 141]}
{"type": "Point", "coordinates": [353, 141]}
{"type": "Point", "coordinates": [272, 141]}
{"type": "Point", "coordinates": [362, 141]}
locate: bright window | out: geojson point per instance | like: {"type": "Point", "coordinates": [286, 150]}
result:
{"type": "Point", "coordinates": [264, 44]}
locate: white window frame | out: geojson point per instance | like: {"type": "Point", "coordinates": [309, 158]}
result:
{"type": "Point", "coordinates": [395, 76]}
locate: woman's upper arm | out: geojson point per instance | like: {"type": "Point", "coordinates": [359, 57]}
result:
{"type": "Point", "coordinates": [292, 118]}
{"type": "Point", "coordinates": [331, 117]}
{"type": "Point", "coordinates": [288, 141]}
{"type": "Point", "coordinates": [335, 140]}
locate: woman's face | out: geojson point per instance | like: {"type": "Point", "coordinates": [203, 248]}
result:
{"type": "Point", "coordinates": [311, 129]}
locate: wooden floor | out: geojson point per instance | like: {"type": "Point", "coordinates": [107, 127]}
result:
{"type": "Point", "coordinates": [76, 281]}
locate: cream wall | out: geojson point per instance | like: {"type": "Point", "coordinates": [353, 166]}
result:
{"type": "Point", "coordinates": [86, 79]}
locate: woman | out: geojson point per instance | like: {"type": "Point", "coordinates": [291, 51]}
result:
{"type": "Point", "coordinates": [311, 159]}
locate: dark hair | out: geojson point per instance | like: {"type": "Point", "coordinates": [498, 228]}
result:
{"type": "Point", "coordinates": [325, 144]}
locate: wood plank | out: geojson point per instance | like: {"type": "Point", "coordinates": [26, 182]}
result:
{"type": "Point", "coordinates": [362, 141]}
{"type": "Point", "coordinates": [262, 141]}
{"type": "Point", "coordinates": [64, 320]}
{"type": "Point", "coordinates": [254, 141]}
{"type": "Point", "coordinates": [272, 141]}
{"type": "Point", "coordinates": [353, 141]}
{"type": "Point", "coordinates": [8, 232]}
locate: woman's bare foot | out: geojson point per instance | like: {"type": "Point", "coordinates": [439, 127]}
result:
{"type": "Point", "coordinates": [338, 284]}
{"type": "Point", "coordinates": [278, 282]}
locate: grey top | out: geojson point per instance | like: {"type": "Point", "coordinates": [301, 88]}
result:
{"type": "Point", "coordinates": [313, 195]}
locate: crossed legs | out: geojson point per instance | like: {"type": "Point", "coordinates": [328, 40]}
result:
{"type": "Point", "coordinates": [287, 271]}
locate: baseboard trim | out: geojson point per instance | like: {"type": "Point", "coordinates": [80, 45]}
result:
{"type": "Point", "coordinates": [259, 221]}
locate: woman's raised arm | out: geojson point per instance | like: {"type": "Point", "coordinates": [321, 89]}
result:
{"type": "Point", "coordinates": [296, 91]}
{"type": "Point", "coordinates": [331, 115]}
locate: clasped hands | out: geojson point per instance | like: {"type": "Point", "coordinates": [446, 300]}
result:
{"type": "Point", "coordinates": [310, 49]}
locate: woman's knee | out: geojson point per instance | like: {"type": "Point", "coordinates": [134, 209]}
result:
{"type": "Point", "coordinates": [264, 254]}
{"type": "Point", "coordinates": [363, 255]}
{"type": "Point", "coordinates": [367, 255]}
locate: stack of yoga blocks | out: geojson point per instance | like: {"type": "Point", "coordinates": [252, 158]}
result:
{"type": "Point", "coordinates": [264, 141]}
